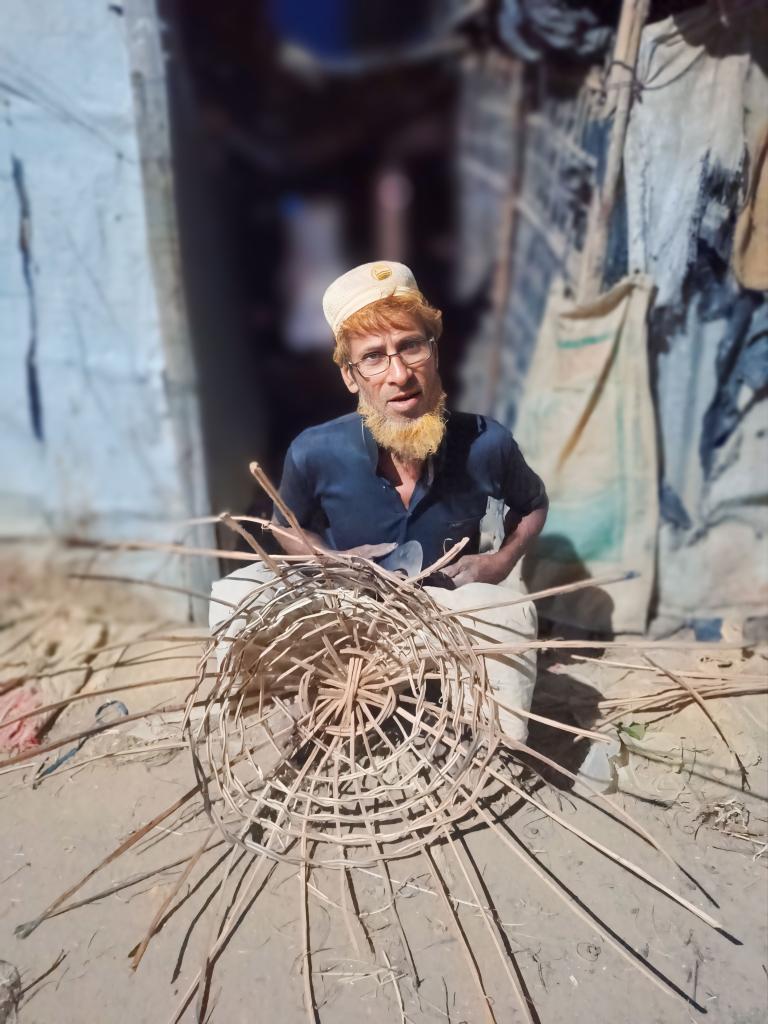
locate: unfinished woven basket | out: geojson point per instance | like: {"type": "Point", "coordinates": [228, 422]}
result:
{"type": "Point", "coordinates": [348, 712]}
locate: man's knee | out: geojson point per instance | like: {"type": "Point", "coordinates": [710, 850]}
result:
{"type": "Point", "coordinates": [227, 595]}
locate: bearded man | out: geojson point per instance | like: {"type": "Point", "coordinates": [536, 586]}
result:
{"type": "Point", "coordinates": [403, 468]}
{"type": "Point", "coordinates": [403, 472]}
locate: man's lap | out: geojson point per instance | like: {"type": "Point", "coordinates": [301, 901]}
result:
{"type": "Point", "coordinates": [511, 674]}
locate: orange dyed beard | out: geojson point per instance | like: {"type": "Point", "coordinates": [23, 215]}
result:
{"type": "Point", "coordinates": [410, 440]}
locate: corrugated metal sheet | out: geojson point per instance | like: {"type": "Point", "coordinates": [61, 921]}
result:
{"type": "Point", "coordinates": [550, 213]}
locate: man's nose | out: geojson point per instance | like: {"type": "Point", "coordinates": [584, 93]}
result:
{"type": "Point", "coordinates": [399, 373]}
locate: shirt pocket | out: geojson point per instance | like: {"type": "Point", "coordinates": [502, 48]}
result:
{"type": "Point", "coordinates": [457, 528]}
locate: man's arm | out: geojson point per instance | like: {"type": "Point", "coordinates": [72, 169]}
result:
{"type": "Point", "coordinates": [495, 566]}
{"type": "Point", "coordinates": [523, 492]}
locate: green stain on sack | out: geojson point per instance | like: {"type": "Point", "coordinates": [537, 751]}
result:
{"type": "Point", "coordinates": [592, 339]}
{"type": "Point", "coordinates": [588, 530]}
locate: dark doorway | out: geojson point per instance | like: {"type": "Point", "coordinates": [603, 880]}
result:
{"type": "Point", "coordinates": [300, 149]}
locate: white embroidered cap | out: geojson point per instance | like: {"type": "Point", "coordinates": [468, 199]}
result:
{"type": "Point", "coordinates": [363, 285]}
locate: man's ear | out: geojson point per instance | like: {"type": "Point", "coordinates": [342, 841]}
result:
{"type": "Point", "coordinates": [348, 377]}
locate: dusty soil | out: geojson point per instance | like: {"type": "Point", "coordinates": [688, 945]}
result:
{"type": "Point", "coordinates": [674, 774]}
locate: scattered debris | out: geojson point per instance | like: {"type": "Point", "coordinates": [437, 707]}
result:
{"type": "Point", "coordinates": [10, 992]}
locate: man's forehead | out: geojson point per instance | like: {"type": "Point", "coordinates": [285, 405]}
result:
{"type": "Point", "coordinates": [384, 337]}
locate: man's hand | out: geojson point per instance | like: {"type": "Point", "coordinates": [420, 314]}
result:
{"type": "Point", "coordinates": [486, 568]}
{"type": "Point", "coordinates": [495, 566]}
{"type": "Point", "coordinates": [370, 551]}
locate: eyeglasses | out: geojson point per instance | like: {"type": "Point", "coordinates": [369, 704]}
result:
{"type": "Point", "coordinates": [412, 352]}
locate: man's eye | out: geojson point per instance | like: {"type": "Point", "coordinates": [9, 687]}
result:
{"type": "Point", "coordinates": [371, 358]}
{"type": "Point", "coordinates": [411, 346]}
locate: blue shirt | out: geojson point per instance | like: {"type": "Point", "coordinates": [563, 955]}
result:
{"type": "Point", "coordinates": [331, 483]}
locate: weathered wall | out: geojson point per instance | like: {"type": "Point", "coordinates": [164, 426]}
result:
{"type": "Point", "coordinates": [551, 171]}
{"type": "Point", "coordinates": [99, 431]}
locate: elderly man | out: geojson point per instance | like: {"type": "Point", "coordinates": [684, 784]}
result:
{"type": "Point", "coordinates": [403, 468]}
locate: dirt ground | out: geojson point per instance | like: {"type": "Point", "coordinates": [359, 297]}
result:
{"type": "Point", "coordinates": [674, 775]}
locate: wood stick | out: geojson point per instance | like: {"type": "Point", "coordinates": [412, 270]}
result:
{"type": "Point", "coordinates": [46, 709]}
{"type": "Point", "coordinates": [633, 16]}
{"type": "Point", "coordinates": [230, 921]}
{"type": "Point", "coordinates": [598, 737]}
{"type": "Point", "coordinates": [141, 949]}
{"type": "Point", "coordinates": [611, 809]}
{"type": "Point", "coordinates": [540, 595]}
{"type": "Point", "coordinates": [266, 484]}
{"type": "Point", "coordinates": [631, 645]}
{"type": "Point", "coordinates": [310, 1005]}
{"type": "Point", "coordinates": [615, 857]}
{"type": "Point", "coordinates": [155, 584]}
{"type": "Point", "coordinates": [587, 916]}
{"type": "Point", "coordinates": [251, 541]}
{"type": "Point", "coordinates": [697, 697]}
{"type": "Point", "coordinates": [511, 976]}
{"type": "Point", "coordinates": [126, 883]}
{"type": "Point", "coordinates": [459, 932]}
{"type": "Point", "coordinates": [24, 930]}
{"type": "Point", "coordinates": [93, 731]}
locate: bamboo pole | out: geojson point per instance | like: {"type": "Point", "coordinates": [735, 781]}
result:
{"type": "Point", "coordinates": [620, 83]}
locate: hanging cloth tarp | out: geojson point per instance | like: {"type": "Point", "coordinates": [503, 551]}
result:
{"type": "Point", "coordinates": [692, 161]}
{"type": "Point", "coordinates": [533, 28]}
{"type": "Point", "coordinates": [586, 423]}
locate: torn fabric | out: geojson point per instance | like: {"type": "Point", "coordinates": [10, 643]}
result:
{"type": "Point", "coordinates": [693, 135]}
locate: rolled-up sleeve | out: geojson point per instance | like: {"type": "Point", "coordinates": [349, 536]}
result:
{"type": "Point", "coordinates": [296, 489]}
{"type": "Point", "coordinates": [522, 489]}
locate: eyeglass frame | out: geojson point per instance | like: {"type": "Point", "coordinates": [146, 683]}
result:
{"type": "Point", "coordinates": [356, 366]}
